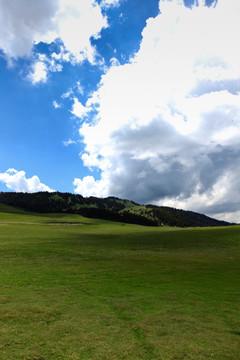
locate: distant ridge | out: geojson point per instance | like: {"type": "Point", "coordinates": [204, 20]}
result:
{"type": "Point", "coordinates": [110, 208]}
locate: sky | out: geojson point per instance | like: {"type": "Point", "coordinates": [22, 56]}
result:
{"type": "Point", "coordinates": [138, 99]}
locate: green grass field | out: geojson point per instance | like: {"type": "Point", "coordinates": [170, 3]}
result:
{"type": "Point", "coordinates": [111, 291]}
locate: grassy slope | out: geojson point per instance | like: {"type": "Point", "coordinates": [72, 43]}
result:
{"type": "Point", "coordinates": [107, 208]}
{"type": "Point", "coordinates": [113, 291]}
{"type": "Point", "coordinates": [17, 215]}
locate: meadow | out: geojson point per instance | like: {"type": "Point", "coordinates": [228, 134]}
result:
{"type": "Point", "coordinates": [87, 289]}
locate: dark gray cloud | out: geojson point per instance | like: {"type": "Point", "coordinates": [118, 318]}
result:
{"type": "Point", "coordinates": [23, 22]}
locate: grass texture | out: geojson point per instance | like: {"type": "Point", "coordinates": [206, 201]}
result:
{"type": "Point", "coordinates": [112, 291]}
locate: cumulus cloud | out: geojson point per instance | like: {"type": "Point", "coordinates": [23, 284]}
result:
{"type": "Point", "coordinates": [167, 124]}
{"type": "Point", "coordinates": [89, 185]}
{"type": "Point", "coordinates": [17, 181]}
{"type": "Point", "coordinates": [26, 22]}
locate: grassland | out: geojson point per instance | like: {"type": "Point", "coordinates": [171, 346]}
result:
{"type": "Point", "coordinates": [112, 291]}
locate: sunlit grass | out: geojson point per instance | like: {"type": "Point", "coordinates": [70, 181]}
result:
{"type": "Point", "coordinates": [106, 291]}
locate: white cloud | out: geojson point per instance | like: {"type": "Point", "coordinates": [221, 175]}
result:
{"type": "Point", "coordinates": [79, 88]}
{"type": "Point", "coordinates": [38, 73]}
{"type": "Point", "coordinates": [26, 22]}
{"type": "Point", "coordinates": [17, 181]}
{"type": "Point", "coordinates": [78, 109]}
{"type": "Point", "coordinates": [78, 21]}
{"type": "Point", "coordinates": [90, 186]}
{"type": "Point", "coordinates": [56, 104]}
{"type": "Point", "coordinates": [172, 113]}
{"type": "Point", "coordinates": [69, 142]}
{"type": "Point", "coordinates": [41, 67]}
{"type": "Point", "coordinates": [67, 94]}
{"type": "Point", "coordinates": [107, 3]}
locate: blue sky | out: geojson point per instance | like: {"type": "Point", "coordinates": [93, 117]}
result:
{"type": "Point", "coordinates": [130, 98]}
{"type": "Point", "coordinates": [33, 132]}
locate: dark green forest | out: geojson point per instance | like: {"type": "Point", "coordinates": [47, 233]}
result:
{"type": "Point", "coordinates": [110, 208]}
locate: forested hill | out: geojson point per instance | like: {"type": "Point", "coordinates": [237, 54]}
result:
{"type": "Point", "coordinates": [110, 208]}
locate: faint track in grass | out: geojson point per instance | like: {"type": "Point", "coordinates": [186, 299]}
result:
{"type": "Point", "coordinates": [136, 331]}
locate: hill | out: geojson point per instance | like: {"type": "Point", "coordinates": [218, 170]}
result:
{"type": "Point", "coordinates": [110, 208]}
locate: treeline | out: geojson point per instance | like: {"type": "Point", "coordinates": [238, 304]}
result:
{"type": "Point", "coordinates": [58, 202]}
{"type": "Point", "coordinates": [107, 208]}
{"type": "Point", "coordinates": [176, 217]}
{"type": "Point", "coordinates": [110, 208]}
